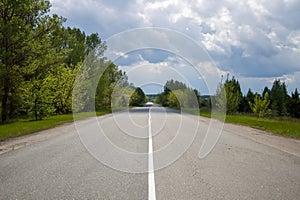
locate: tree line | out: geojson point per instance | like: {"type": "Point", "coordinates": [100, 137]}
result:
{"type": "Point", "coordinates": [275, 101]}
{"type": "Point", "coordinates": [178, 95]}
{"type": "Point", "coordinates": [230, 99]}
{"type": "Point", "coordinates": [40, 59]}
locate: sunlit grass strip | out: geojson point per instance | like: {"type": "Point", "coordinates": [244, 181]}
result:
{"type": "Point", "coordinates": [24, 127]}
{"type": "Point", "coordinates": [288, 127]}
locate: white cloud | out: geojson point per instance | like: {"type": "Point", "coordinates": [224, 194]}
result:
{"type": "Point", "coordinates": [120, 54]}
{"type": "Point", "coordinates": [143, 72]}
{"type": "Point", "coordinates": [252, 38]}
{"type": "Point", "coordinates": [257, 84]}
{"type": "Point", "coordinates": [294, 39]}
{"type": "Point", "coordinates": [209, 68]}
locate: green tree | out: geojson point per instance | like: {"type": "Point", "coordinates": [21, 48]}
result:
{"type": "Point", "coordinates": [121, 96]}
{"type": "Point", "coordinates": [266, 91]}
{"type": "Point", "coordinates": [175, 85]}
{"type": "Point", "coordinates": [162, 98]}
{"type": "Point", "coordinates": [48, 62]}
{"type": "Point", "coordinates": [228, 95]}
{"type": "Point", "coordinates": [173, 101]}
{"type": "Point", "coordinates": [93, 42]}
{"type": "Point", "coordinates": [278, 97]}
{"type": "Point", "coordinates": [260, 105]}
{"type": "Point", "coordinates": [26, 50]}
{"type": "Point", "coordinates": [191, 99]}
{"type": "Point", "coordinates": [108, 80]}
{"type": "Point", "coordinates": [36, 102]}
{"type": "Point", "coordinates": [220, 98]}
{"type": "Point", "coordinates": [244, 105]}
{"type": "Point", "coordinates": [176, 94]}
{"type": "Point", "coordinates": [294, 105]}
{"type": "Point", "coordinates": [196, 100]}
{"type": "Point", "coordinates": [138, 98]}
{"type": "Point", "coordinates": [39, 59]}
{"type": "Point", "coordinates": [81, 94]}
{"type": "Point", "coordinates": [233, 95]}
{"type": "Point", "coordinates": [182, 99]}
{"type": "Point", "coordinates": [74, 41]}
{"type": "Point", "coordinates": [59, 87]}
{"type": "Point", "coordinates": [79, 44]}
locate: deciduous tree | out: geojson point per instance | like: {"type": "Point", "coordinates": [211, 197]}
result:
{"type": "Point", "coordinates": [25, 49]}
{"type": "Point", "coordinates": [138, 98]}
{"type": "Point", "coordinates": [260, 105]}
{"type": "Point", "coordinates": [229, 94]}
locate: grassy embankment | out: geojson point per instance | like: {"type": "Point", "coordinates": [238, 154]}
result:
{"type": "Point", "coordinates": [284, 126]}
{"type": "Point", "coordinates": [26, 126]}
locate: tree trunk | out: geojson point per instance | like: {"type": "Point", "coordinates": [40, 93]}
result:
{"type": "Point", "coordinates": [4, 104]}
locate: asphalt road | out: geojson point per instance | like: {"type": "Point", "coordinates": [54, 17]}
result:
{"type": "Point", "coordinates": [245, 163]}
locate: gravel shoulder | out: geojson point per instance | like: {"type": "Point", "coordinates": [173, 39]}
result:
{"type": "Point", "coordinates": [288, 145]}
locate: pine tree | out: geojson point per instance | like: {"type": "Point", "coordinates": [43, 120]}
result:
{"type": "Point", "coordinates": [294, 105]}
{"type": "Point", "coordinates": [278, 98]}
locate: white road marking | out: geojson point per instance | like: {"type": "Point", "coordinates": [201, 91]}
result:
{"type": "Point", "coordinates": [151, 181]}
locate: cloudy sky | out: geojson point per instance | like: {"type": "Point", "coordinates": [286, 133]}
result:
{"type": "Point", "coordinates": [255, 40]}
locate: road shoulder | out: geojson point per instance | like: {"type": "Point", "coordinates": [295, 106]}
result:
{"type": "Point", "coordinates": [285, 144]}
{"type": "Point", "coordinates": [26, 140]}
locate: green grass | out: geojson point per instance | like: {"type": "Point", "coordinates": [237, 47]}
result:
{"type": "Point", "coordinates": [25, 126]}
{"type": "Point", "coordinates": [282, 126]}
{"type": "Point", "coordinates": [288, 127]}
{"type": "Point", "coordinates": [205, 114]}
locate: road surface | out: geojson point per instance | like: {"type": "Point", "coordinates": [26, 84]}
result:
{"type": "Point", "coordinates": [245, 163]}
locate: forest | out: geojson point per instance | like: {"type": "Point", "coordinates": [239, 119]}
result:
{"type": "Point", "coordinates": [40, 59]}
